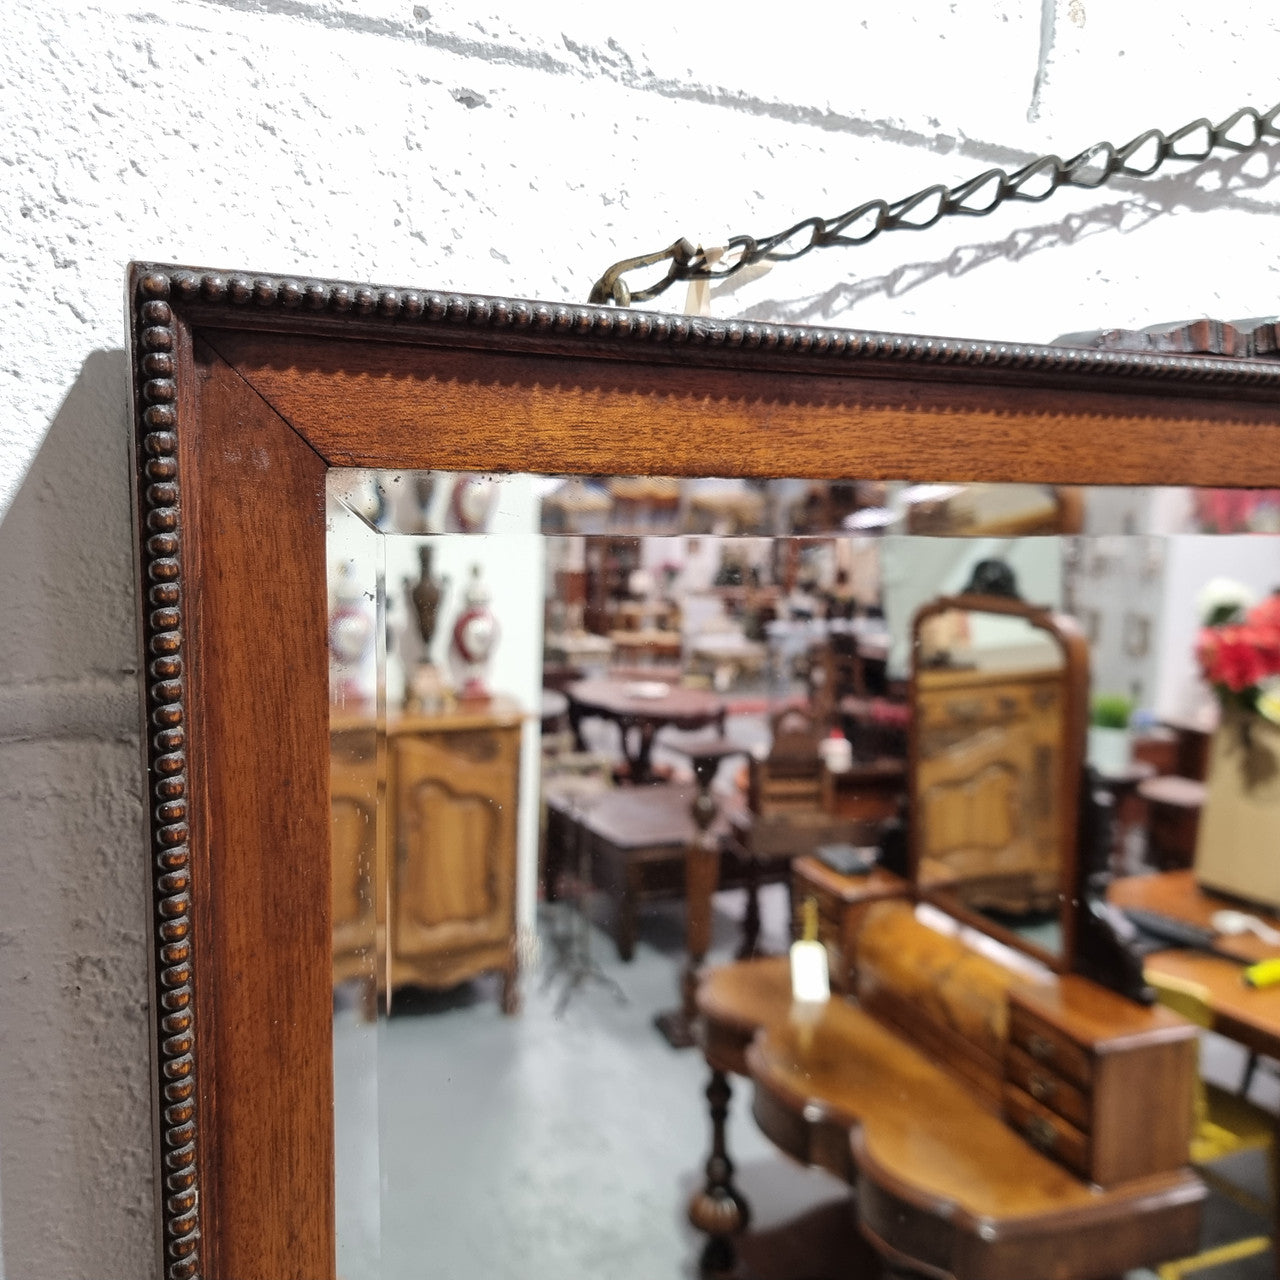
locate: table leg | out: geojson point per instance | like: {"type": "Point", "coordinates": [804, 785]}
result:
{"type": "Point", "coordinates": [751, 920]}
{"type": "Point", "coordinates": [641, 768]}
{"type": "Point", "coordinates": [701, 875]}
{"type": "Point", "coordinates": [625, 922]}
{"type": "Point", "coordinates": [553, 854]}
{"type": "Point", "coordinates": [511, 987]}
{"type": "Point", "coordinates": [719, 1210]}
{"type": "Point", "coordinates": [575, 723]}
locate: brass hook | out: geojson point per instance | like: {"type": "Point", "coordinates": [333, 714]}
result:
{"type": "Point", "coordinates": [612, 288]}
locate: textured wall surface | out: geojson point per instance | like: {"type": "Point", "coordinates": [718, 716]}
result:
{"type": "Point", "coordinates": [442, 146]}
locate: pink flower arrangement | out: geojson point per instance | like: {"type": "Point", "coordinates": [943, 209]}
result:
{"type": "Point", "coordinates": [1237, 510]}
{"type": "Point", "coordinates": [1239, 652]}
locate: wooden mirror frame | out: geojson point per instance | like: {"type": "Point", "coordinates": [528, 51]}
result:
{"type": "Point", "coordinates": [248, 387]}
{"type": "Point", "coordinates": [1075, 678]}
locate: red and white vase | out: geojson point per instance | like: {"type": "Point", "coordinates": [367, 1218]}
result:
{"type": "Point", "coordinates": [475, 637]}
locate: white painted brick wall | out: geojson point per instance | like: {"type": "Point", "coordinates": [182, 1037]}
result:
{"type": "Point", "coordinates": [444, 146]}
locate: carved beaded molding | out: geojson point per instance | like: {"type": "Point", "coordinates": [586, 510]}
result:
{"type": "Point", "coordinates": [159, 291]}
{"type": "Point", "coordinates": [240, 292]}
{"type": "Point", "coordinates": [155, 400]}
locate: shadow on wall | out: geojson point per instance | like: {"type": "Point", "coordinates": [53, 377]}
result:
{"type": "Point", "coordinates": [76, 1197]}
{"type": "Point", "coordinates": [1212, 185]}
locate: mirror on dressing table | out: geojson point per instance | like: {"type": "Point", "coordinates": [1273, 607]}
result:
{"type": "Point", "coordinates": [999, 698]}
{"type": "Point", "coordinates": [251, 388]}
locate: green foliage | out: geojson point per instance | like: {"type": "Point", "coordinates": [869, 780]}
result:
{"type": "Point", "coordinates": [1110, 711]}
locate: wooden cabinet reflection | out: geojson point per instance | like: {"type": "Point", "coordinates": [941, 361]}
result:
{"type": "Point", "coordinates": [449, 861]}
{"type": "Point", "coordinates": [991, 746]}
{"type": "Point", "coordinates": [353, 804]}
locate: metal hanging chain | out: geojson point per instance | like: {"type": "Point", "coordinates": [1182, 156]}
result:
{"type": "Point", "coordinates": [1241, 131]}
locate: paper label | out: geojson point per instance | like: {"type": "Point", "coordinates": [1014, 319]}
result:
{"type": "Point", "coordinates": [697, 301]}
{"type": "Point", "coordinates": [810, 979]}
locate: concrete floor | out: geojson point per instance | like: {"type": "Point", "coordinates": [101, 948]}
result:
{"type": "Point", "coordinates": [474, 1145]}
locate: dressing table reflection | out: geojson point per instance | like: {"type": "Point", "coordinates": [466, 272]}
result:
{"type": "Point", "coordinates": [1000, 1115]}
{"type": "Point", "coordinates": [996, 1122]}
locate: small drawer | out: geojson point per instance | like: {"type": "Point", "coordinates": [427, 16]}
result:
{"type": "Point", "coordinates": [1048, 1088]}
{"type": "Point", "coordinates": [1048, 1046]}
{"type": "Point", "coordinates": [1046, 1131]}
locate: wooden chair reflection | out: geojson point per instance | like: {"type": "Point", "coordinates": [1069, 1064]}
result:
{"type": "Point", "coordinates": [789, 778]}
{"type": "Point", "coordinates": [787, 816]}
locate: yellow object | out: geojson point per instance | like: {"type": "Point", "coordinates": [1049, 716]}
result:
{"type": "Point", "coordinates": [809, 920]}
{"type": "Point", "coordinates": [810, 978]}
{"type": "Point", "coordinates": [1266, 973]}
{"type": "Point", "coordinates": [1269, 704]}
{"type": "Point", "coordinates": [1225, 1123]}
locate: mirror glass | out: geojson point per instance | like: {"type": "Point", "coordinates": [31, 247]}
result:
{"type": "Point", "coordinates": [519, 667]}
{"type": "Point", "coordinates": [990, 701]}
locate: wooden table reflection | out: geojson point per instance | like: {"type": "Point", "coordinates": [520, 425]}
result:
{"type": "Point", "coordinates": [639, 709]}
{"type": "Point", "coordinates": [1249, 1016]}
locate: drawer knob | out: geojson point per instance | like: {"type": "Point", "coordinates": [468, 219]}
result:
{"type": "Point", "coordinates": [1039, 1047]}
{"type": "Point", "coordinates": [1041, 1133]}
{"type": "Point", "coordinates": [1041, 1088]}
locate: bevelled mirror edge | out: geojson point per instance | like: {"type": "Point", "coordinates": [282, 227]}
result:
{"type": "Point", "coordinates": [228, 1206]}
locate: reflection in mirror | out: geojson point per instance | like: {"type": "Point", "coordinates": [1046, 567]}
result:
{"type": "Point", "coordinates": [996, 712]}
{"type": "Point", "coordinates": [523, 670]}
{"type": "Point", "coordinates": [357, 773]}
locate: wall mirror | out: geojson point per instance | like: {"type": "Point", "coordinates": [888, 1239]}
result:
{"type": "Point", "coordinates": [251, 391]}
{"type": "Point", "coordinates": [453, 816]}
